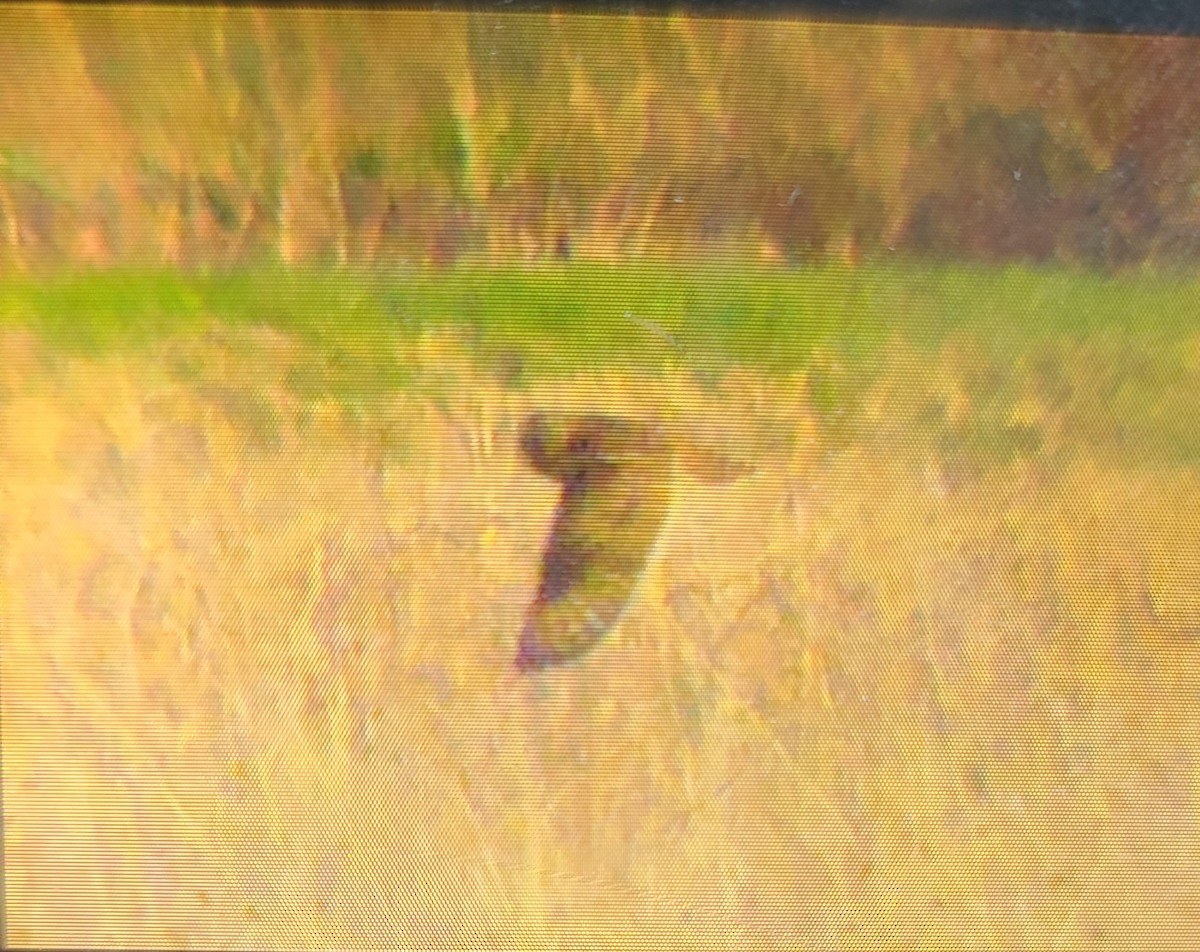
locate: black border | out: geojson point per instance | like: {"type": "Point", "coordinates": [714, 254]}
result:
{"type": "Point", "coordinates": [1158, 17]}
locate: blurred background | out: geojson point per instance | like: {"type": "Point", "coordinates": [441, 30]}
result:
{"type": "Point", "coordinates": [225, 137]}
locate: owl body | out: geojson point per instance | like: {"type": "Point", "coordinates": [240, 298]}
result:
{"type": "Point", "coordinates": [616, 476]}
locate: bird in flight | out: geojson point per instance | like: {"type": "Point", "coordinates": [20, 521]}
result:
{"type": "Point", "coordinates": [616, 475]}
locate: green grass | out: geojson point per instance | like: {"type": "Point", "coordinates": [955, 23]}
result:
{"type": "Point", "coordinates": [1010, 308]}
{"type": "Point", "coordinates": [96, 313]}
{"type": "Point", "coordinates": [562, 317]}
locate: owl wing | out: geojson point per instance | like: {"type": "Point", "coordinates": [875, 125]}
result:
{"type": "Point", "coordinates": [601, 538]}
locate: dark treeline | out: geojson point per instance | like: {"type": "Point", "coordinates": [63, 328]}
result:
{"type": "Point", "coordinates": [221, 137]}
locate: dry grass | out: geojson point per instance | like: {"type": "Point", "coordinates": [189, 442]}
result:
{"type": "Point", "coordinates": [258, 686]}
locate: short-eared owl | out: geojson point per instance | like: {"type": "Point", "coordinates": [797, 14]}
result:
{"type": "Point", "coordinates": [616, 477]}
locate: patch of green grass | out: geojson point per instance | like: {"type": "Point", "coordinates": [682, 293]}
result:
{"type": "Point", "coordinates": [101, 311]}
{"type": "Point", "coordinates": [562, 317]}
{"type": "Point", "coordinates": [1007, 310]}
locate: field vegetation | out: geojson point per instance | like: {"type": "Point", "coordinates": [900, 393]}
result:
{"type": "Point", "coordinates": [926, 679]}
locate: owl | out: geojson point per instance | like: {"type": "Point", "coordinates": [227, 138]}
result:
{"type": "Point", "coordinates": [616, 476]}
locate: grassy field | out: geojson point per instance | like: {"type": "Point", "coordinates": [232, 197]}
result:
{"type": "Point", "coordinates": [926, 680]}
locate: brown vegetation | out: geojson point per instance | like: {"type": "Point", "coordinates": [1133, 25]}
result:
{"type": "Point", "coordinates": [892, 691]}
{"type": "Point", "coordinates": [218, 137]}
